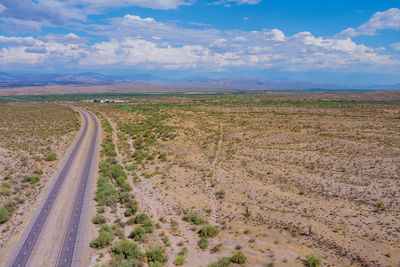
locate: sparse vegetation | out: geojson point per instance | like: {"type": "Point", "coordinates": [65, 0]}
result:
{"type": "Point", "coordinates": [203, 243]}
{"type": "Point", "coordinates": [194, 218]}
{"type": "Point", "coordinates": [313, 261]}
{"type": "Point", "coordinates": [51, 156]}
{"type": "Point", "coordinates": [244, 164]}
{"type": "Point", "coordinates": [208, 231]}
{"type": "Point", "coordinates": [30, 134]}
{"type": "Point", "coordinates": [4, 215]}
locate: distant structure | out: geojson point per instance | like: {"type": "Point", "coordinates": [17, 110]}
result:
{"type": "Point", "coordinates": [104, 101]}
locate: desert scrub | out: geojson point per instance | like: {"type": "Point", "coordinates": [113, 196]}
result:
{"type": "Point", "coordinates": [220, 193]}
{"type": "Point", "coordinates": [51, 156]}
{"type": "Point", "coordinates": [313, 261]}
{"type": "Point", "coordinates": [165, 240]}
{"type": "Point", "coordinates": [10, 206]}
{"type": "Point", "coordinates": [380, 206]}
{"type": "Point", "coordinates": [239, 258]}
{"type": "Point", "coordinates": [224, 262]}
{"type": "Point", "coordinates": [99, 219]}
{"type": "Point", "coordinates": [180, 260]}
{"type": "Point", "coordinates": [4, 215]}
{"type": "Point", "coordinates": [208, 231]}
{"type": "Point", "coordinates": [138, 234]}
{"type": "Point", "coordinates": [126, 253]}
{"type": "Point", "coordinates": [131, 207]}
{"type": "Point", "coordinates": [141, 218]}
{"type": "Point", "coordinates": [104, 238]}
{"type": "Point", "coordinates": [203, 243]}
{"type": "Point", "coordinates": [194, 218]}
{"type": "Point", "coordinates": [156, 254]}
{"type": "Point", "coordinates": [32, 179]}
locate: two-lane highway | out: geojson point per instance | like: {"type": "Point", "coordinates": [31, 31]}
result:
{"type": "Point", "coordinates": [64, 194]}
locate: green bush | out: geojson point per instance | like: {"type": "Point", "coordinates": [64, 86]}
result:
{"type": "Point", "coordinates": [106, 195]}
{"type": "Point", "coordinates": [179, 261]}
{"type": "Point", "coordinates": [183, 252]}
{"type": "Point", "coordinates": [105, 227]}
{"type": "Point", "coordinates": [380, 206]}
{"type": "Point", "coordinates": [208, 231]}
{"type": "Point", "coordinates": [156, 254]}
{"type": "Point", "coordinates": [32, 179]}
{"type": "Point", "coordinates": [38, 171]}
{"type": "Point", "coordinates": [51, 156]}
{"type": "Point", "coordinates": [4, 215]}
{"type": "Point", "coordinates": [166, 241]}
{"type": "Point", "coordinates": [141, 218]}
{"type": "Point", "coordinates": [224, 262]}
{"type": "Point", "coordinates": [155, 264]}
{"type": "Point", "coordinates": [130, 221]}
{"type": "Point", "coordinates": [104, 239]}
{"type": "Point", "coordinates": [194, 218]}
{"type": "Point", "coordinates": [313, 261]}
{"type": "Point", "coordinates": [6, 192]}
{"type": "Point", "coordinates": [220, 193]}
{"type": "Point", "coordinates": [238, 258]}
{"type": "Point", "coordinates": [203, 243]}
{"type": "Point", "coordinates": [118, 260]}
{"type": "Point", "coordinates": [10, 206]}
{"type": "Point", "coordinates": [138, 234]}
{"type": "Point", "coordinates": [99, 219]}
{"type": "Point", "coordinates": [129, 250]}
{"type": "Point", "coordinates": [148, 226]}
{"type": "Point", "coordinates": [131, 207]}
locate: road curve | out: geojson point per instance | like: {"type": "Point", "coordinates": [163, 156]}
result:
{"type": "Point", "coordinates": [66, 255]}
{"type": "Point", "coordinates": [32, 233]}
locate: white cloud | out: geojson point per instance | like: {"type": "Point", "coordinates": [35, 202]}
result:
{"type": "Point", "coordinates": [138, 19]}
{"type": "Point", "coordinates": [31, 15]}
{"type": "Point", "coordinates": [132, 41]}
{"type": "Point", "coordinates": [396, 46]}
{"type": "Point", "coordinates": [26, 41]}
{"type": "Point", "coordinates": [275, 35]}
{"type": "Point", "coordinates": [389, 19]}
{"type": "Point", "coordinates": [70, 38]}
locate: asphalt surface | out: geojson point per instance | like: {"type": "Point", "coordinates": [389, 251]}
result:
{"type": "Point", "coordinates": [26, 247]}
{"type": "Point", "coordinates": [67, 252]}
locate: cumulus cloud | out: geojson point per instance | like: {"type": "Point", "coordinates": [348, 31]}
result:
{"type": "Point", "coordinates": [41, 11]}
{"type": "Point", "coordinates": [59, 12]}
{"type": "Point", "coordinates": [389, 19]}
{"type": "Point", "coordinates": [134, 41]}
{"type": "Point", "coordinates": [69, 38]}
{"type": "Point", "coordinates": [396, 46]}
{"type": "Point", "coordinates": [25, 41]}
{"type": "Point", "coordinates": [31, 51]}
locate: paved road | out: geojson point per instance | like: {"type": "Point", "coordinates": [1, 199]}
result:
{"type": "Point", "coordinates": [32, 233]}
{"type": "Point", "coordinates": [67, 252]}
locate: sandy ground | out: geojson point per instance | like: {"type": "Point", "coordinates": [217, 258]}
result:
{"type": "Point", "coordinates": [309, 177]}
{"type": "Point", "coordinates": [27, 213]}
{"type": "Point", "coordinates": [50, 241]}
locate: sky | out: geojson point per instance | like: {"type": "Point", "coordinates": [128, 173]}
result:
{"type": "Point", "coordinates": [330, 41]}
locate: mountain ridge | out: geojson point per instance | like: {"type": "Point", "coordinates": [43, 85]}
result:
{"type": "Point", "coordinates": [13, 80]}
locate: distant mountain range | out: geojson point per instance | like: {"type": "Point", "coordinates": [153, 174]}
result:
{"type": "Point", "coordinates": [12, 80]}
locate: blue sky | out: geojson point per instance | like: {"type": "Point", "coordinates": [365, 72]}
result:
{"type": "Point", "coordinates": [342, 42]}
